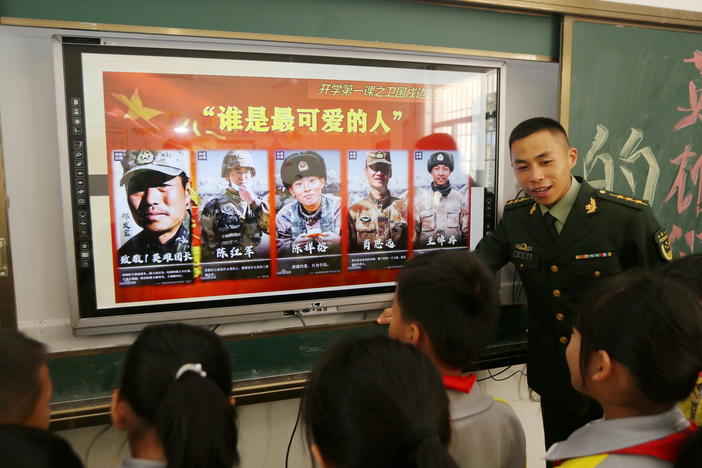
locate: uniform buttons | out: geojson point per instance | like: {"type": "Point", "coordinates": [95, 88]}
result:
{"type": "Point", "coordinates": [554, 268]}
{"type": "Point", "coordinates": [560, 317]}
{"type": "Point", "coordinates": [597, 274]}
{"type": "Point", "coordinates": [556, 293]}
{"type": "Point", "coordinates": [563, 340]}
{"type": "Point", "coordinates": [521, 265]}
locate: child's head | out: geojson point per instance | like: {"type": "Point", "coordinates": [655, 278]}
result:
{"type": "Point", "coordinates": [648, 330]}
{"type": "Point", "coordinates": [25, 384]}
{"type": "Point", "coordinates": [688, 271]}
{"type": "Point", "coordinates": [446, 303]}
{"type": "Point", "coordinates": [177, 381]}
{"type": "Point", "coordinates": [377, 402]}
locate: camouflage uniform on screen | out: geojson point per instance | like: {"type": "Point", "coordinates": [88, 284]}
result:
{"type": "Point", "coordinates": [227, 221]}
{"type": "Point", "coordinates": [177, 248]}
{"type": "Point", "coordinates": [293, 219]}
{"type": "Point", "coordinates": [441, 211]}
{"type": "Point", "coordinates": [375, 222]}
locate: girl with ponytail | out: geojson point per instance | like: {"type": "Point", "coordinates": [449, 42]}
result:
{"type": "Point", "coordinates": [376, 402]}
{"type": "Point", "coordinates": [174, 401]}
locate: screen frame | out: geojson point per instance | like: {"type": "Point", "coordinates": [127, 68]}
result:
{"type": "Point", "coordinates": [280, 307]}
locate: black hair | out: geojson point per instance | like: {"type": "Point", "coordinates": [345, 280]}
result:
{"type": "Point", "coordinates": [690, 455]}
{"type": "Point", "coordinates": [688, 271]}
{"type": "Point", "coordinates": [21, 360]}
{"type": "Point", "coordinates": [29, 447]}
{"type": "Point", "coordinates": [452, 295]}
{"type": "Point", "coordinates": [650, 324]}
{"type": "Point", "coordinates": [192, 414]}
{"type": "Point", "coordinates": [536, 124]}
{"type": "Point", "coordinates": [376, 402]}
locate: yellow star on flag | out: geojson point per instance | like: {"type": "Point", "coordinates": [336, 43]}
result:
{"type": "Point", "coordinates": [136, 109]}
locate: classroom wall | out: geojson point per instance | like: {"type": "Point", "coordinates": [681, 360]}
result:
{"type": "Point", "coordinates": [29, 129]}
{"type": "Point", "coordinates": [689, 5]}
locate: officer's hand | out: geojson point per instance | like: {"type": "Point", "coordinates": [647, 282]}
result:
{"type": "Point", "coordinates": [302, 239]}
{"type": "Point", "coordinates": [247, 194]}
{"type": "Point", "coordinates": [385, 318]}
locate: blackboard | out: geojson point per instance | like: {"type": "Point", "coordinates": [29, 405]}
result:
{"type": "Point", "coordinates": [84, 381]}
{"type": "Point", "coordinates": [632, 100]}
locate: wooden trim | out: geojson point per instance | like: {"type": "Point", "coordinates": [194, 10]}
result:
{"type": "Point", "coordinates": [184, 32]}
{"type": "Point", "coordinates": [591, 8]}
{"type": "Point", "coordinates": [565, 71]}
{"type": "Point", "coordinates": [8, 306]}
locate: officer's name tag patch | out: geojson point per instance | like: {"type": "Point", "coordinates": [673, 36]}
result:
{"type": "Point", "coordinates": [594, 255]}
{"type": "Point", "coordinates": [522, 255]}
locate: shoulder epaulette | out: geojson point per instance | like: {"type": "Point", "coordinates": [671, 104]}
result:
{"type": "Point", "coordinates": [523, 201]}
{"type": "Point", "coordinates": [622, 199]}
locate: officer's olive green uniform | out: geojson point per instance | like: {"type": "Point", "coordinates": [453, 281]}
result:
{"type": "Point", "coordinates": [604, 234]}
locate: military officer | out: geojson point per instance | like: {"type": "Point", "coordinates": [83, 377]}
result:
{"type": "Point", "coordinates": [236, 220]}
{"type": "Point", "coordinates": [312, 223]}
{"type": "Point", "coordinates": [379, 221]}
{"type": "Point", "coordinates": [441, 214]}
{"type": "Point", "coordinates": [562, 237]}
{"type": "Point", "coordinates": [158, 194]}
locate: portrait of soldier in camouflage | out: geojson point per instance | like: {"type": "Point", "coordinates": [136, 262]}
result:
{"type": "Point", "coordinates": [234, 222]}
{"type": "Point", "coordinates": [441, 215]}
{"type": "Point", "coordinates": [311, 224]}
{"type": "Point", "coordinates": [158, 194]}
{"type": "Point", "coordinates": [378, 221]}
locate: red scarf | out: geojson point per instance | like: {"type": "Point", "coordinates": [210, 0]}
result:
{"type": "Point", "coordinates": [462, 383]}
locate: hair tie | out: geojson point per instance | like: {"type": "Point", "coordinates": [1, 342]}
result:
{"type": "Point", "coordinates": [418, 436]}
{"type": "Point", "coordinates": [189, 367]}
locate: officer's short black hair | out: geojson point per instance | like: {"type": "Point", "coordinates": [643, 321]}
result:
{"type": "Point", "coordinates": [452, 295]}
{"type": "Point", "coordinates": [22, 358]}
{"type": "Point", "coordinates": [536, 124]}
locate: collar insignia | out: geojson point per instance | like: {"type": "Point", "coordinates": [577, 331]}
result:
{"type": "Point", "coordinates": [591, 207]}
{"type": "Point", "coordinates": [533, 209]}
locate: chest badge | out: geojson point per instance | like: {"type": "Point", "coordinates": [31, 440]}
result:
{"type": "Point", "coordinates": [524, 247]}
{"type": "Point", "coordinates": [591, 207]}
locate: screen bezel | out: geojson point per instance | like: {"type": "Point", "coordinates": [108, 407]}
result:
{"type": "Point", "coordinates": [69, 84]}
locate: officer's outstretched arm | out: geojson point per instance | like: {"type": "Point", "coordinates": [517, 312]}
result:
{"type": "Point", "coordinates": [494, 248]}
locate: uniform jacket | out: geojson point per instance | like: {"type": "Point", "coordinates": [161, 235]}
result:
{"type": "Point", "coordinates": [228, 221]}
{"type": "Point", "coordinates": [291, 221]}
{"type": "Point", "coordinates": [378, 220]}
{"type": "Point", "coordinates": [487, 432]}
{"type": "Point", "coordinates": [636, 442]}
{"type": "Point", "coordinates": [175, 250]}
{"type": "Point", "coordinates": [604, 234]}
{"type": "Point", "coordinates": [436, 215]}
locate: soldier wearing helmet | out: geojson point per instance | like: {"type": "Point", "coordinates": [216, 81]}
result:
{"type": "Point", "coordinates": [238, 218]}
{"type": "Point", "coordinates": [158, 195]}
{"type": "Point", "coordinates": [440, 214]}
{"type": "Point", "coordinates": [379, 221]}
{"type": "Point", "coordinates": [313, 220]}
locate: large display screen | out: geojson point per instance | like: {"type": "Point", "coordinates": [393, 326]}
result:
{"type": "Point", "coordinates": [220, 178]}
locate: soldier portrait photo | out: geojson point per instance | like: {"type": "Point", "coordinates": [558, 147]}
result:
{"type": "Point", "coordinates": [308, 221]}
{"type": "Point", "coordinates": [377, 217]}
{"type": "Point", "coordinates": [157, 188]}
{"type": "Point", "coordinates": [235, 215]}
{"type": "Point", "coordinates": [441, 213]}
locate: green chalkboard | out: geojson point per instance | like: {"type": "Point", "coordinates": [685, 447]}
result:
{"type": "Point", "coordinates": [392, 21]}
{"type": "Point", "coordinates": [83, 377]}
{"type": "Point", "coordinates": [635, 103]}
